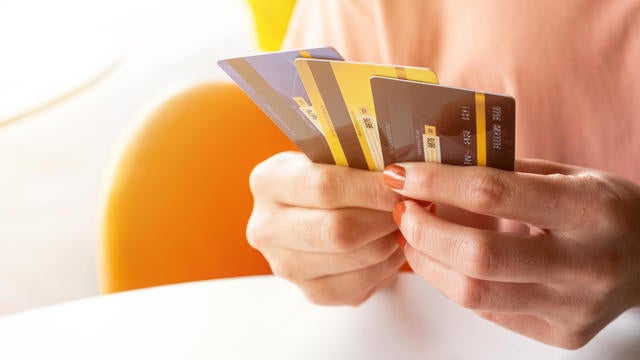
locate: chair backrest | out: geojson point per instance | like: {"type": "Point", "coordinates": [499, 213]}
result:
{"type": "Point", "coordinates": [178, 198]}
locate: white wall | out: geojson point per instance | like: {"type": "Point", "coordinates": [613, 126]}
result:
{"type": "Point", "coordinates": [52, 163]}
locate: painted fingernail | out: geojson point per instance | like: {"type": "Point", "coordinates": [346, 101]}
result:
{"type": "Point", "coordinates": [402, 242]}
{"type": "Point", "coordinates": [398, 210]}
{"type": "Point", "coordinates": [394, 176]}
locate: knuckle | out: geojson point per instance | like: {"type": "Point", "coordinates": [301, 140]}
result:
{"type": "Point", "coordinates": [284, 270]}
{"type": "Point", "coordinates": [563, 181]}
{"type": "Point", "coordinates": [599, 198]}
{"type": "Point", "coordinates": [384, 198]}
{"type": "Point", "coordinates": [360, 260]}
{"type": "Point", "coordinates": [470, 294]}
{"type": "Point", "coordinates": [486, 191]}
{"type": "Point", "coordinates": [316, 292]}
{"type": "Point", "coordinates": [417, 232]}
{"type": "Point", "coordinates": [478, 255]}
{"type": "Point", "coordinates": [382, 251]}
{"type": "Point", "coordinates": [610, 201]}
{"type": "Point", "coordinates": [324, 184]}
{"type": "Point", "coordinates": [336, 232]}
{"type": "Point", "coordinates": [375, 253]}
{"type": "Point", "coordinates": [578, 328]}
{"type": "Point", "coordinates": [266, 175]}
{"type": "Point", "coordinates": [609, 269]}
{"type": "Point", "coordinates": [360, 299]}
{"type": "Point", "coordinates": [254, 232]}
{"type": "Point", "coordinates": [428, 180]}
{"type": "Point", "coordinates": [593, 183]}
{"type": "Point", "coordinates": [590, 310]}
{"type": "Point", "coordinates": [260, 175]}
{"type": "Point", "coordinates": [333, 291]}
{"type": "Point", "coordinates": [578, 312]}
{"type": "Point", "coordinates": [327, 298]}
{"type": "Point", "coordinates": [573, 340]}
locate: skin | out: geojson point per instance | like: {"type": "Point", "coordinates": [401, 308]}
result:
{"type": "Point", "coordinates": [326, 228]}
{"type": "Point", "coordinates": [567, 266]}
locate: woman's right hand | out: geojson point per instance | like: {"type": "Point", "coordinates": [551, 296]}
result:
{"type": "Point", "coordinates": [326, 228]}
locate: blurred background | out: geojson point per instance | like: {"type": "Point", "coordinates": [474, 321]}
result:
{"type": "Point", "coordinates": [73, 74]}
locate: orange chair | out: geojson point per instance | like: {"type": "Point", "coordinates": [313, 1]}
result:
{"type": "Point", "coordinates": [178, 199]}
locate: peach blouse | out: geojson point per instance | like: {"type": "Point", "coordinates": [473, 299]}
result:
{"type": "Point", "coordinates": [573, 66]}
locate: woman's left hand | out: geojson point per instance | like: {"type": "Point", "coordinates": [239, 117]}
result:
{"type": "Point", "coordinates": [573, 272]}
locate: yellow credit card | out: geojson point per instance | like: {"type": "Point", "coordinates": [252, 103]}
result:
{"type": "Point", "coordinates": [330, 133]}
{"type": "Point", "coordinates": [341, 93]}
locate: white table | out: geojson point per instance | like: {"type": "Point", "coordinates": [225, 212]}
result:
{"type": "Point", "coordinates": [267, 318]}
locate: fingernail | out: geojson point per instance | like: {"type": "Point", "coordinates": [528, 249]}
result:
{"type": "Point", "coordinates": [402, 242]}
{"type": "Point", "coordinates": [394, 176]}
{"type": "Point", "coordinates": [398, 210]}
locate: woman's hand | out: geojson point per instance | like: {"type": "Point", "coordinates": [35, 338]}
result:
{"type": "Point", "coordinates": [326, 228]}
{"type": "Point", "coordinates": [573, 272]}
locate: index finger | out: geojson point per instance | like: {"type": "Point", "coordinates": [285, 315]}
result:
{"type": "Point", "coordinates": [542, 200]}
{"type": "Point", "coordinates": [291, 178]}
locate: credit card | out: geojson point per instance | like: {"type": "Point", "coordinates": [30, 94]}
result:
{"type": "Point", "coordinates": [426, 122]}
{"type": "Point", "coordinates": [272, 82]}
{"type": "Point", "coordinates": [341, 93]}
